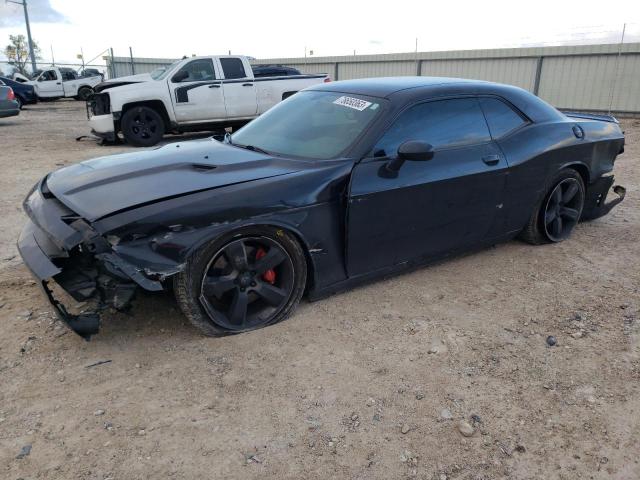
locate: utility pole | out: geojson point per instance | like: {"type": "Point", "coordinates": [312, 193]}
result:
{"type": "Point", "coordinates": [26, 19]}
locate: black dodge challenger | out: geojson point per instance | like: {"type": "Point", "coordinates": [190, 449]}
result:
{"type": "Point", "coordinates": [339, 184]}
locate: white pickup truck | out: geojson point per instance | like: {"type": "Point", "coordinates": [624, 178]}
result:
{"type": "Point", "coordinates": [197, 93]}
{"type": "Point", "coordinates": [61, 82]}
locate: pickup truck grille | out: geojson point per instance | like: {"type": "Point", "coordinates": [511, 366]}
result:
{"type": "Point", "coordinates": [98, 104]}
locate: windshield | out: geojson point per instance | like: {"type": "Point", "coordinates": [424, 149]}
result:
{"type": "Point", "coordinates": [160, 73]}
{"type": "Point", "coordinates": [310, 125]}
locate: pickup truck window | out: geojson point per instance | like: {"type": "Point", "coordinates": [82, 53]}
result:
{"type": "Point", "coordinates": [195, 71]}
{"type": "Point", "coordinates": [232, 68]}
{"type": "Point", "coordinates": [160, 73]}
{"type": "Point", "coordinates": [66, 75]}
{"type": "Point", "coordinates": [316, 125]}
{"type": "Point", "coordinates": [48, 75]}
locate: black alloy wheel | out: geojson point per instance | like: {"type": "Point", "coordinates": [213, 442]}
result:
{"type": "Point", "coordinates": [562, 210]}
{"type": "Point", "coordinates": [247, 283]}
{"type": "Point", "coordinates": [84, 93]}
{"type": "Point", "coordinates": [142, 126]}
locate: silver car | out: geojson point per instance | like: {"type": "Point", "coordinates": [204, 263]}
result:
{"type": "Point", "coordinates": [8, 105]}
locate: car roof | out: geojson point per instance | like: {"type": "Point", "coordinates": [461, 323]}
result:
{"type": "Point", "coordinates": [403, 90]}
{"type": "Point", "coordinates": [386, 86]}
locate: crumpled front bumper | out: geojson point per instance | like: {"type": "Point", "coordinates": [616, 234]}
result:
{"type": "Point", "coordinates": [35, 248]}
{"type": "Point", "coordinates": [595, 204]}
{"type": "Point", "coordinates": [68, 251]}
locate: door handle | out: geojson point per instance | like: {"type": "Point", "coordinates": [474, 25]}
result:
{"type": "Point", "coordinates": [214, 86]}
{"type": "Point", "coordinates": [247, 84]}
{"type": "Point", "coordinates": [58, 83]}
{"type": "Point", "coordinates": [491, 159]}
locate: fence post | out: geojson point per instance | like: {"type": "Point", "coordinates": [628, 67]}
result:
{"type": "Point", "coordinates": [335, 71]}
{"type": "Point", "coordinates": [419, 68]}
{"type": "Point", "coordinates": [133, 70]}
{"type": "Point", "coordinates": [113, 65]}
{"type": "Point", "coordinates": [536, 82]}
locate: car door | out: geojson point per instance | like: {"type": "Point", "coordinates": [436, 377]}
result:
{"type": "Point", "coordinates": [69, 84]}
{"type": "Point", "coordinates": [431, 208]}
{"type": "Point", "coordinates": [239, 88]}
{"type": "Point", "coordinates": [49, 84]}
{"type": "Point", "coordinates": [196, 92]}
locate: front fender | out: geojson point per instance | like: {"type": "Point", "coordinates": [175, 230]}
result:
{"type": "Point", "coordinates": [317, 228]}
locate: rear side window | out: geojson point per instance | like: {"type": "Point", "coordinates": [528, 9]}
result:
{"type": "Point", "coordinates": [443, 124]}
{"type": "Point", "coordinates": [232, 68]}
{"type": "Point", "coordinates": [66, 76]}
{"type": "Point", "coordinates": [501, 118]}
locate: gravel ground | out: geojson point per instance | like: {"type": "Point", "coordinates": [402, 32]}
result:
{"type": "Point", "coordinates": [382, 382]}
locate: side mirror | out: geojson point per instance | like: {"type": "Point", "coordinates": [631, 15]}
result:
{"type": "Point", "coordinates": [414, 150]}
{"type": "Point", "coordinates": [180, 76]}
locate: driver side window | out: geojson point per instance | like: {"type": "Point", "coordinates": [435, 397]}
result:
{"type": "Point", "coordinates": [443, 124]}
{"type": "Point", "coordinates": [48, 75]}
{"type": "Point", "coordinates": [200, 70]}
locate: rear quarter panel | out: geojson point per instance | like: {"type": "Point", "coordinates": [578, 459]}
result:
{"type": "Point", "coordinates": [537, 152]}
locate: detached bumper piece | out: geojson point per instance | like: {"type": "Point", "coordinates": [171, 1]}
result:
{"type": "Point", "coordinates": [84, 324]}
{"type": "Point", "coordinates": [595, 205]}
{"type": "Point", "coordinates": [56, 245]}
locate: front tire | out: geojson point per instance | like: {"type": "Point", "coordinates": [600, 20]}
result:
{"type": "Point", "coordinates": [243, 281]}
{"type": "Point", "coordinates": [20, 102]}
{"type": "Point", "coordinates": [142, 126]}
{"type": "Point", "coordinates": [559, 211]}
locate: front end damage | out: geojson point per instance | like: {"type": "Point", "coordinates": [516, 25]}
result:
{"type": "Point", "coordinates": [56, 244]}
{"type": "Point", "coordinates": [595, 202]}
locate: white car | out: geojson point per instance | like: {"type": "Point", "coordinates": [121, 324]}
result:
{"type": "Point", "coordinates": [61, 82]}
{"type": "Point", "coordinates": [197, 93]}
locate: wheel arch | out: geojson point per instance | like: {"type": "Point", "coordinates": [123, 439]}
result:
{"type": "Point", "coordinates": [582, 169]}
{"type": "Point", "coordinates": [156, 105]}
{"type": "Point", "coordinates": [286, 95]}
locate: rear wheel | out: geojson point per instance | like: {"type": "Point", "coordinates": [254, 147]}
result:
{"type": "Point", "coordinates": [142, 126]}
{"type": "Point", "coordinates": [20, 102]}
{"type": "Point", "coordinates": [559, 211]}
{"type": "Point", "coordinates": [84, 93]}
{"type": "Point", "coordinates": [243, 281]}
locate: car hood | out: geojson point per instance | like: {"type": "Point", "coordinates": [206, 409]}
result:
{"type": "Point", "coordinates": [140, 77]}
{"type": "Point", "coordinates": [123, 81]}
{"type": "Point", "coordinates": [106, 185]}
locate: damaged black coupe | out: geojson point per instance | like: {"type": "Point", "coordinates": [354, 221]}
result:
{"type": "Point", "coordinates": [339, 184]}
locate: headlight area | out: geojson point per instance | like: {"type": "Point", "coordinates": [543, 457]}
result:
{"type": "Point", "coordinates": [89, 273]}
{"type": "Point", "coordinates": [57, 245]}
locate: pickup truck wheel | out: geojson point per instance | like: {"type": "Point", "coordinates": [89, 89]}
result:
{"type": "Point", "coordinates": [142, 126]}
{"type": "Point", "coordinates": [84, 93]}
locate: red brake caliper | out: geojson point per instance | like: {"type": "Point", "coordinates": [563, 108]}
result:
{"type": "Point", "coordinates": [270, 275]}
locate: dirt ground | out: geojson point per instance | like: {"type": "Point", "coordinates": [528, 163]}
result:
{"type": "Point", "coordinates": [370, 384]}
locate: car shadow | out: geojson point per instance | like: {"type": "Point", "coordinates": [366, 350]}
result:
{"type": "Point", "coordinates": [152, 314]}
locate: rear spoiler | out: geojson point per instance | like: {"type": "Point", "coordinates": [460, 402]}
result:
{"type": "Point", "coordinates": [591, 116]}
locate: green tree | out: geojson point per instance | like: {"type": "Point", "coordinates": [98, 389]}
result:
{"type": "Point", "coordinates": [18, 52]}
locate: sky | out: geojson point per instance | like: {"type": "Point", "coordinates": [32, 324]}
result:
{"type": "Point", "coordinates": [285, 28]}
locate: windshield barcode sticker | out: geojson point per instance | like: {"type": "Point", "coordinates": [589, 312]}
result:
{"type": "Point", "coordinates": [351, 102]}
